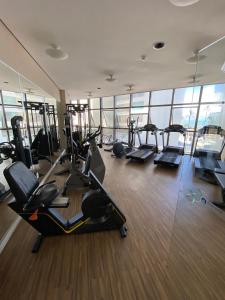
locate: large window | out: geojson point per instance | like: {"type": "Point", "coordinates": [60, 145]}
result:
{"type": "Point", "coordinates": [107, 102]}
{"type": "Point", "coordinates": [123, 101]}
{"type": "Point", "coordinates": [162, 108]}
{"type": "Point", "coordinates": [161, 97]}
{"type": "Point", "coordinates": [95, 118]}
{"type": "Point", "coordinates": [95, 103]}
{"type": "Point", "coordinates": [213, 93]}
{"type": "Point", "coordinates": [187, 95]}
{"type": "Point", "coordinates": [122, 116]}
{"type": "Point", "coordinates": [108, 118]}
{"type": "Point", "coordinates": [140, 99]}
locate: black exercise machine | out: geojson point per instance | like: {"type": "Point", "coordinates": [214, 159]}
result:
{"type": "Point", "coordinates": [144, 151]}
{"type": "Point", "coordinates": [36, 205]}
{"type": "Point", "coordinates": [171, 156]}
{"type": "Point", "coordinates": [15, 149]}
{"type": "Point", "coordinates": [206, 161]}
{"type": "Point", "coordinates": [45, 140]}
{"type": "Point", "coordinates": [220, 178]}
{"type": "Point", "coordinates": [121, 149]}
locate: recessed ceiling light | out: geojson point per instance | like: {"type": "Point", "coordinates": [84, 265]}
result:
{"type": "Point", "coordinates": [158, 45]}
{"type": "Point", "coordinates": [183, 3]}
{"type": "Point", "coordinates": [6, 82]}
{"type": "Point", "coordinates": [56, 52]}
{"type": "Point", "coordinates": [195, 58]}
{"type": "Point", "coordinates": [110, 78]}
{"type": "Point", "coordinates": [98, 88]}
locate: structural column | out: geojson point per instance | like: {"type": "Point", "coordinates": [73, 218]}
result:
{"type": "Point", "coordinates": [61, 109]}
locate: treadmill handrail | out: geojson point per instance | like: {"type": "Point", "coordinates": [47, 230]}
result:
{"type": "Point", "coordinates": [174, 128]}
{"type": "Point", "coordinates": [204, 131]}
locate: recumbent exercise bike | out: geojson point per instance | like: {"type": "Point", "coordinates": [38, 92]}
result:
{"type": "Point", "coordinates": [36, 204]}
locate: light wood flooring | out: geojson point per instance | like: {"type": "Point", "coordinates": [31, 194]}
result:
{"type": "Point", "coordinates": [173, 250]}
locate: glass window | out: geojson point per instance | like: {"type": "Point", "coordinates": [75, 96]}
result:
{"type": "Point", "coordinates": [84, 119]}
{"type": "Point", "coordinates": [213, 93]}
{"type": "Point", "coordinates": [160, 116]}
{"type": "Point", "coordinates": [12, 98]}
{"type": "Point", "coordinates": [161, 97]}
{"type": "Point", "coordinates": [13, 111]}
{"type": "Point", "coordinates": [107, 118]}
{"type": "Point", "coordinates": [187, 95]}
{"type": "Point", "coordinates": [83, 101]}
{"type": "Point", "coordinates": [74, 101]}
{"type": "Point", "coordinates": [211, 114]}
{"type": "Point", "coordinates": [108, 102]}
{"type": "Point", "coordinates": [2, 121]}
{"type": "Point", "coordinates": [141, 120]}
{"type": "Point", "coordinates": [94, 103]}
{"type": "Point", "coordinates": [121, 117]}
{"type": "Point", "coordinates": [107, 135]}
{"type": "Point", "coordinates": [185, 116]}
{"type": "Point", "coordinates": [35, 98]}
{"type": "Point", "coordinates": [122, 135]}
{"type": "Point", "coordinates": [3, 136]}
{"type": "Point", "coordinates": [95, 118]}
{"type": "Point", "coordinates": [142, 136]}
{"type": "Point", "coordinates": [140, 99]}
{"type": "Point", "coordinates": [123, 101]}
{"type": "Point", "coordinates": [176, 139]}
{"type": "Point", "coordinates": [139, 110]}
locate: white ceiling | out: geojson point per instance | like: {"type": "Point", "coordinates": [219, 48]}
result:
{"type": "Point", "coordinates": [103, 36]}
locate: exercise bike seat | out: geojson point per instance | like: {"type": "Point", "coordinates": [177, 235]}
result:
{"type": "Point", "coordinates": [21, 180]}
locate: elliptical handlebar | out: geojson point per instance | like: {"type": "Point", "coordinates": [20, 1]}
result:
{"type": "Point", "coordinates": [93, 135]}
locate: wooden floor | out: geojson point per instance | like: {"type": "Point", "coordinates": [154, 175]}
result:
{"type": "Point", "coordinates": [172, 251]}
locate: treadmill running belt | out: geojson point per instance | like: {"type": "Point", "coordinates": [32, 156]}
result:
{"type": "Point", "coordinates": [169, 157]}
{"type": "Point", "coordinates": [140, 153]}
{"type": "Point", "coordinates": [208, 163]}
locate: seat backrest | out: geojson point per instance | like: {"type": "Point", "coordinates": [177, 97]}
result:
{"type": "Point", "coordinates": [21, 180]}
{"type": "Point", "coordinates": [88, 163]}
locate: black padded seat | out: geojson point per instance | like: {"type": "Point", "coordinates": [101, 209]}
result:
{"type": "Point", "coordinates": [22, 181]}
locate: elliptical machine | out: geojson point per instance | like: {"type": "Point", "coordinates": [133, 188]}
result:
{"type": "Point", "coordinates": [121, 149]}
{"type": "Point", "coordinates": [79, 176]}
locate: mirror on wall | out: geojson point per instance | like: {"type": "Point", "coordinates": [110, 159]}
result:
{"type": "Point", "coordinates": [28, 117]}
{"type": "Point", "coordinates": [211, 73]}
{"type": "Point", "coordinates": [197, 187]}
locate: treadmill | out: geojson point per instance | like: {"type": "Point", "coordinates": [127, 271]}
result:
{"type": "Point", "coordinates": [144, 151]}
{"type": "Point", "coordinates": [171, 156]}
{"type": "Point", "coordinates": [207, 160]}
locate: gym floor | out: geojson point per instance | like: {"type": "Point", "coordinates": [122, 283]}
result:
{"type": "Point", "coordinates": [161, 257]}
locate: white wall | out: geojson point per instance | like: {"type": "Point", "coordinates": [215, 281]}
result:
{"type": "Point", "coordinates": [13, 54]}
